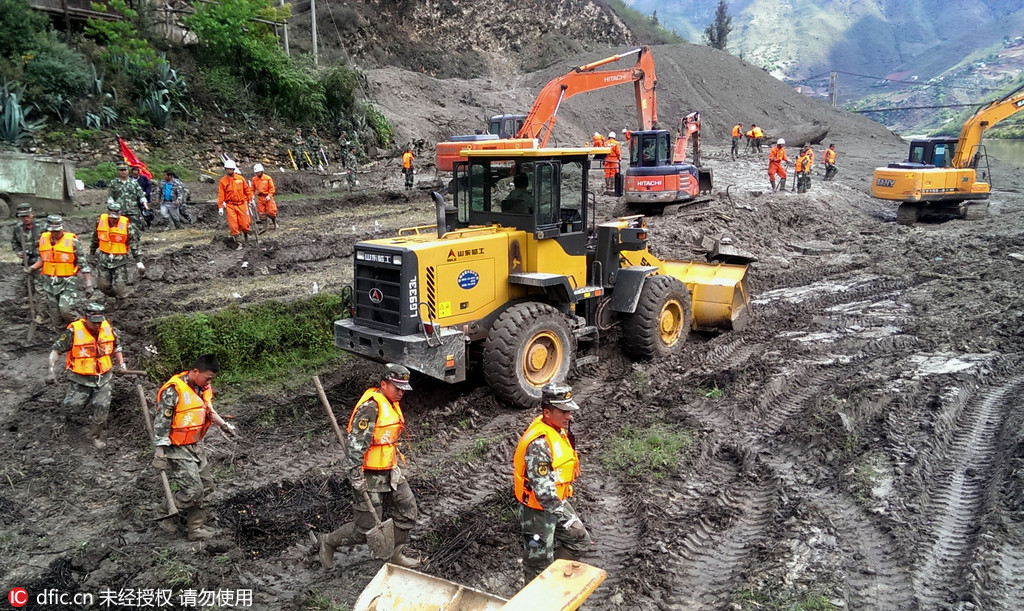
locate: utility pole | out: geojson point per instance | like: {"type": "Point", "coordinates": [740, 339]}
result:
{"type": "Point", "coordinates": [832, 89]}
{"type": "Point", "coordinates": [312, 11]}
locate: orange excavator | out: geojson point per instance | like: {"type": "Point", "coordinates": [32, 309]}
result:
{"type": "Point", "coordinates": [658, 174]}
{"type": "Point", "coordinates": [534, 129]}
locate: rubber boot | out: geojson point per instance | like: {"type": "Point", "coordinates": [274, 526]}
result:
{"type": "Point", "coordinates": [273, 220]}
{"type": "Point", "coordinates": [196, 520]}
{"type": "Point", "coordinates": [333, 540]}
{"type": "Point", "coordinates": [246, 234]}
{"type": "Point", "coordinates": [96, 432]}
{"type": "Point", "coordinates": [782, 185]}
{"type": "Point", "coordinates": [773, 183]}
{"type": "Point", "coordinates": [398, 557]}
{"type": "Point", "coordinates": [238, 241]}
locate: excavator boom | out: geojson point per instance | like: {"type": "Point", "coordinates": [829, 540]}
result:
{"type": "Point", "coordinates": [975, 127]}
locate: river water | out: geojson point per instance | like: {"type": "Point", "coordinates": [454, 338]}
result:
{"type": "Point", "coordinates": [1007, 151]}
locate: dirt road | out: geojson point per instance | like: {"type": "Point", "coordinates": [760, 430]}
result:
{"type": "Point", "coordinates": [860, 442]}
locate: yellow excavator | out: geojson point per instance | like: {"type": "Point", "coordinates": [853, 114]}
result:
{"type": "Point", "coordinates": [517, 272]}
{"type": "Point", "coordinates": [940, 175]}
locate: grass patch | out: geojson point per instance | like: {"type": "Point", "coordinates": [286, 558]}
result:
{"type": "Point", "coordinates": [106, 170]}
{"type": "Point", "coordinates": [174, 572]}
{"type": "Point", "coordinates": [653, 451]}
{"type": "Point", "coordinates": [266, 342]}
{"type": "Point", "coordinates": [322, 602]}
{"type": "Point", "coordinates": [760, 600]}
{"type": "Point", "coordinates": [477, 451]}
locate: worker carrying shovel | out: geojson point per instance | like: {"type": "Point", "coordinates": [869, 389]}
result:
{"type": "Point", "coordinates": [374, 429]}
{"type": "Point", "coordinates": [184, 412]}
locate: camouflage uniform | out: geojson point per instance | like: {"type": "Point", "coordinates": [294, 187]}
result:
{"type": "Point", "coordinates": [112, 270]}
{"type": "Point", "coordinates": [172, 210]}
{"type": "Point", "coordinates": [25, 243]}
{"type": "Point", "coordinates": [129, 194]}
{"type": "Point", "coordinates": [299, 147]}
{"type": "Point", "coordinates": [188, 468]}
{"type": "Point", "coordinates": [62, 292]}
{"type": "Point", "coordinates": [91, 391]}
{"type": "Point", "coordinates": [314, 147]}
{"type": "Point", "coordinates": [351, 166]}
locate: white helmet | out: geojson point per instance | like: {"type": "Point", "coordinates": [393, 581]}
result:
{"type": "Point", "coordinates": [781, 141]}
{"type": "Point", "coordinates": [597, 135]}
{"type": "Point", "coordinates": [230, 165]}
{"type": "Point", "coordinates": [611, 135]}
{"type": "Point", "coordinates": [257, 168]}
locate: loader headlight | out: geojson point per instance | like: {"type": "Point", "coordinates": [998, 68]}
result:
{"type": "Point", "coordinates": [397, 259]}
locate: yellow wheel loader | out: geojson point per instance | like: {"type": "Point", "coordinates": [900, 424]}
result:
{"type": "Point", "coordinates": [517, 272]}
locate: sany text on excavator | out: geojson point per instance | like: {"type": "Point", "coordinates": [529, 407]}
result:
{"type": "Point", "coordinates": [658, 174]}
{"type": "Point", "coordinates": [514, 276]}
{"type": "Point", "coordinates": [940, 175]}
{"type": "Point", "coordinates": [534, 130]}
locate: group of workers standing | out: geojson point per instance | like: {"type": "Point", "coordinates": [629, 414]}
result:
{"type": "Point", "coordinates": [238, 200]}
{"type": "Point", "coordinates": [777, 159]}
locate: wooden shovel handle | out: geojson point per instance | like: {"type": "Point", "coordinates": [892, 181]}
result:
{"type": "Point", "coordinates": [172, 508]}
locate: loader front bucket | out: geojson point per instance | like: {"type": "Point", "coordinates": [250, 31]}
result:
{"type": "Point", "coordinates": [718, 293]}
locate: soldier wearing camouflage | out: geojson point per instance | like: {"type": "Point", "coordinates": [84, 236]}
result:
{"type": "Point", "coordinates": [92, 347]}
{"type": "Point", "coordinates": [127, 192]}
{"type": "Point", "coordinates": [112, 270]}
{"type": "Point", "coordinates": [374, 430]}
{"type": "Point", "coordinates": [545, 464]}
{"type": "Point", "coordinates": [351, 166]}
{"type": "Point", "coordinates": [25, 243]}
{"type": "Point", "coordinates": [183, 415]}
{"type": "Point", "coordinates": [61, 259]}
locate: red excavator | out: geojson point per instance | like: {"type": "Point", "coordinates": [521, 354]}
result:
{"type": "Point", "coordinates": [535, 128]}
{"type": "Point", "coordinates": [659, 175]}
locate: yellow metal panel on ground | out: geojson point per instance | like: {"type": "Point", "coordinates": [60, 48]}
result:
{"type": "Point", "coordinates": [563, 586]}
{"type": "Point", "coordinates": [399, 589]}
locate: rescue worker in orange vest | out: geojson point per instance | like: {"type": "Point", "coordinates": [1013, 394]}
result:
{"type": "Point", "coordinates": [115, 237]}
{"type": "Point", "coordinates": [803, 169]}
{"type": "Point", "coordinates": [627, 138]}
{"type": "Point", "coordinates": [611, 162]}
{"type": "Point", "coordinates": [737, 135]}
{"type": "Point", "coordinates": [829, 157]}
{"type": "Point", "coordinates": [184, 413]}
{"type": "Point", "coordinates": [263, 187]}
{"type": "Point", "coordinates": [407, 169]}
{"type": "Point", "coordinates": [544, 466]}
{"type": "Point", "coordinates": [374, 430]}
{"type": "Point", "coordinates": [597, 140]}
{"type": "Point", "coordinates": [233, 196]}
{"type": "Point", "coordinates": [757, 138]}
{"type": "Point", "coordinates": [61, 257]}
{"type": "Point", "coordinates": [776, 164]}
{"type": "Point", "coordinates": [92, 347]}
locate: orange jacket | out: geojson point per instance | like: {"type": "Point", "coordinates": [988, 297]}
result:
{"type": "Point", "coordinates": [383, 452]}
{"type": "Point", "coordinates": [758, 133]}
{"type": "Point", "coordinates": [113, 240]}
{"type": "Point", "coordinates": [233, 190]}
{"type": "Point", "coordinates": [829, 156]}
{"type": "Point", "coordinates": [598, 140]}
{"type": "Point", "coordinates": [190, 420]}
{"type": "Point", "coordinates": [804, 162]}
{"type": "Point", "coordinates": [737, 130]}
{"type": "Point", "coordinates": [58, 259]}
{"type": "Point", "coordinates": [565, 462]}
{"type": "Point", "coordinates": [263, 187]}
{"type": "Point", "coordinates": [89, 355]}
{"type": "Point", "coordinates": [407, 158]}
{"type": "Point", "coordinates": [616, 154]}
{"type": "Point", "coordinates": [777, 154]}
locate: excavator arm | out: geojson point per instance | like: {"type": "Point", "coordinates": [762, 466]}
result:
{"type": "Point", "coordinates": [541, 120]}
{"type": "Point", "coordinates": [975, 127]}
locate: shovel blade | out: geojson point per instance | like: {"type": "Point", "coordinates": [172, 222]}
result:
{"type": "Point", "coordinates": [381, 540]}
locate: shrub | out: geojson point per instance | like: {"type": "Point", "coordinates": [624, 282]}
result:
{"type": "Point", "coordinates": [103, 171]}
{"type": "Point", "coordinates": [339, 84]}
{"type": "Point", "coordinates": [19, 28]}
{"type": "Point", "coordinates": [380, 125]}
{"type": "Point", "coordinates": [15, 127]}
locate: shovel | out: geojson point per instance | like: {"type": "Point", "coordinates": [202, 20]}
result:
{"type": "Point", "coordinates": [31, 303]}
{"type": "Point", "coordinates": [380, 538]}
{"type": "Point", "coordinates": [168, 494]}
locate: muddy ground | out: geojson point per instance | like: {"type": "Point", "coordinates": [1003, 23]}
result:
{"type": "Point", "coordinates": [860, 441]}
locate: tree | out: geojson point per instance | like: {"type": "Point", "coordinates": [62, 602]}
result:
{"type": "Point", "coordinates": [716, 35]}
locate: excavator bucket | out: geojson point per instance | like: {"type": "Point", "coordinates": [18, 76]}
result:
{"type": "Point", "coordinates": [718, 293]}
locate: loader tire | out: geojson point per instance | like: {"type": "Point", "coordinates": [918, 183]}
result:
{"type": "Point", "coordinates": [529, 345]}
{"type": "Point", "coordinates": [661, 321]}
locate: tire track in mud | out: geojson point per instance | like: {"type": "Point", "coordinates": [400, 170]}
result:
{"type": "Point", "coordinates": [1005, 589]}
{"type": "Point", "coordinates": [615, 530]}
{"type": "Point", "coordinates": [959, 490]}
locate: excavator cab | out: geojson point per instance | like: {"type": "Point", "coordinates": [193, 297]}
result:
{"type": "Point", "coordinates": [506, 126]}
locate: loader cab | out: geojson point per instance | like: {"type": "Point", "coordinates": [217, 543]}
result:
{"type": "Point", "coordinates": [506, 126]}
{"type": "Point", "coordinates": [929, 152]}
{"type": "Point", "coordinates": [539, 191]}
{"type": "Point", "coordinates": [650, 148]}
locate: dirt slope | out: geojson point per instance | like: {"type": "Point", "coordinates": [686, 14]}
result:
{"type": "Point", "coordinates": [864, 441]}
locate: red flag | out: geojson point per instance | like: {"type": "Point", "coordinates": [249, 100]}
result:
{"type": "Point", "coordinates": [133, 161]}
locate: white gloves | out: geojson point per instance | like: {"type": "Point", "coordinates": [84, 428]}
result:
{"type": "Point", "coordinates": [220, 211]}
{"type": "Point", "coordinates": [124, 366]}
{"type": "Point", "coordinates": [141, 266]}
{"type": "Point", "coordinates": [230, 429]}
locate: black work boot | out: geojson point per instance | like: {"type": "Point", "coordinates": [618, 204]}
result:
{"type": "Point", "coordinates": [782, 185]}
{"type": "Point", "coordinates": [772, 180]}
{"type": "Point", "coordinates": [333, 540]}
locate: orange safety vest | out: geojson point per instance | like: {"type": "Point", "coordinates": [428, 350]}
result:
{"type": "Point", "coordinates": [58, 259]}
{"type": "Point", "coordinates": [190, 421]}
{"type": "Point", "coordinates": [407, 158]}
{"type": "Point", "coordinates": [234, 190]}
{"type": "Point", "coordinates": [565, 462]}
{"type": "Point", "coordinates": [628, 135]}
{"type": "Point", "coordinates": [737, 131]}
{"type": "Point", "coordinates": [803, 163]}
{"type": "Point", "coordinates": [777, 154]}
{"type": "Point", "coordinates": [113, 240]}
{"type": "Point", "coordinates": [90, 356]}
{"type": "Point", "coordinates": [616, 154]}
{"type": "Point", "coordinates": [758, 133]}
{"type": "Point", "coordinates": [265, 186]}
{"type": "Point", "coordinates": [830, 156]}
{"type": "Point", "coordinates": [383, 452]}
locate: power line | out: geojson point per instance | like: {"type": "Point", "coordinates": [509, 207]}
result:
{"type": "Point", "coordinates": [915, 107]}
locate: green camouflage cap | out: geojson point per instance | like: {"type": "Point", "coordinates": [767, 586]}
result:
{"type": "Point", "coordinates": [558, 396]}
{"type": "Point", "coordinates": [95, 312]}
{"type": "Point", "coordinates": [113, 206]}
{"type": "Point", "coordinates": [24, 209]}
{"type": "Point", "coordinates": [54, 222]}
{"type": "Point", "coordinates": [397, 375]}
